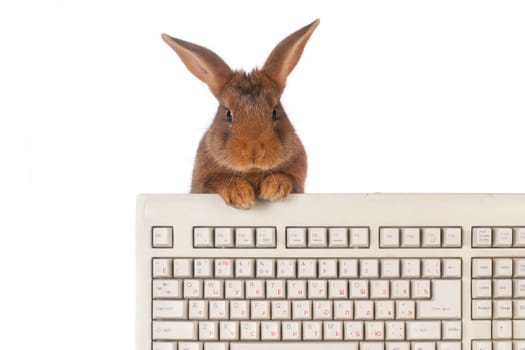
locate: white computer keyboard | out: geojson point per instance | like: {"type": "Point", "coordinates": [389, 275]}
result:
{"type": "Point", "coordinates": [332, 271]}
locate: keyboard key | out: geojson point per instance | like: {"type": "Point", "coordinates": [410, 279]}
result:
{"type": "Point", "coordinates": [420, 289]}
{"type": "Point", "coordinates": [182, 268]}
{"type": "Point", "coordinates": [481, 345]}
{"type": "Point", "coordinates": [307, 268]}
{"type": "Point", "coordinates": [170, 309]}
{"type": "Point", "coordinates": [224, 237]}
{"type": "Point", "coordinates": [164, 346]}
{"type": "Point", "coordinates": [338, 237]}
{"type": "Point", "coordinates": [431, 268]}
{"type": "Point", "coordinates": [348, 268]}
{"type": "Point", "coordinates": [502, 267]}
{"type": "Point", "coordinates": [343, 310]}
{"type": "Point", "coordinates": [296, 237]}
{"type": "Point", "coordinates": [229, 330]}
{"type": "Point", "coordinates": [502, 237]}
{"type": "Point", "coordinates": [410, 237]}
{"type": "Point", "coordinates": [502, 329]}
{"type": "Point", "coordinates": [452, 330]}
{"type": "Point", "coordinates": [281, 310]}
{"type": "Point", "coordinates": [519, 288]}
{"type": "Point", "coordinates": [198, 309]}
{"type": "Point", "coordinates": [502, 288]}
{"type": "Point", "coordinates": [214, 289]}
{"type": "Point", "coordinates": [423, 330]}
{"type": "Point", "coordinates": [359, 237]}
{"type": "Point", "coordinates": [395, 330]}
{"type": "Point", "coordinates": [519, 268]}
{"type": "Point", "coordinates": [390, 268]}
{"type": "Point", "coordinates": [275, 289]}
{"type": "Point", "coordinates": [291, 330]}
{"type": "Point", "coordinates": [353, 330]}
{"type": "Point", "coordinates": [169, 289]}
{"type": "Point", "coordinates": [405, 309]}
{"type": "Point", "coordinates": [327, 268]}
{"type": "Point", "coordinates": [190, 346]}
{"type": "Point", "coordinates": [317, 289]}
{"type": "Point", "coordinates": [445, 303]}
{"type": "Point", "coordinates": [302, 310]}
{"type": "Point", "coordinates": [389, 237]}
{"type": "Point", "coordinates": [265, 268]}
{"type": "Point", "coordinates": [317, 237]}
{"type": "Point", "coordinates": [333, 330]}
{"type": "Point", "coordinates": [322, 310]}
{"type": "Point", "coordinates": [337, 289]}
{"type": "Point", "coordinates": [427, 345]}
{"type": "Point", "coordinates": [219, 309]}
{"type": "Point", "coordinates": [481, 237]}
{"type": "Point", "coordinates": [431, 237]}
{"type": "Point", "coordinates": [244, 268]}
{"type": "Point", "coordinates": [209, 330]}
{"type": "Point", "coordinates": [358, 289]}
{"type": "Point", "coordinates": [481, 268]}
{"type": "Point", "coordinates": [296, 289]}
{"type": "Point", "coordinates": [374, 330]}
{"type": "Point", "coordinates": [400, 289]}
{"type": "Point", "coordinates": [448, 345]}
{"type": "Point", "coordinates": [192, 289]}
{"type": "Point", "coordinates": [502, 309]}
{"type": "Point", "coordinates": [452, 237]}
{"type": "Point", "coordinates": [215, 346]}
{"type": "Point", "coordinates": [234, 289]}
{"type": "Point", "coordinates": [249, 330]}
{"type": "Point", "coordinates": [384, 310]}
{"type": "Point", "coordinates": [502, 345]}
{"type": "Point", "coordinates": [239, 309]}
{"type": "Point", "coordinates": [203, 268]}
{"type": "Point", "coordinates": [410, 268]}
{"type": "Point", "coordinates": [265, 237]}
{"type": "Point", "coordinates": [244, 237]}
{"type": "Point", "coordinates": [379, 289]}
{"type": "Point", "coordinates": [481, 309]}
{"type": "Point", "coordinates": [286, 268]}
{"type": "Point", "coordinates": [451, 268]}
{"type": "Point", "coordinates": [481, 289]}
{"type": "Point", "coordinates": [364, 310]}
{"type": "Point", "coordinates": [397, 345]}
{"type": "Point", "coordinates": [304, 345]}
{"type": "Point", "coordinates": [162, 237]}
{"type": "Point", "coordinates": [312, 330]}
{"type": "Point", "coordinates": [369, 268]}
{"type": "Point", "coordinates": [224, 268]}
{"type": "Point", "coordinates": [174, 330]}
{"type": "Point", "coordinates": [203, 237]}
{"type": "Point", "coordinates": [255, 289]}
{"type": "Point", "coordinates": [270, 330]}
{"type": "Point", "coordinates": [519, 309]}
{"type": "Point", "coordinates": [519, 237]}
{"type": "Point", "coordinates": [162, 268]}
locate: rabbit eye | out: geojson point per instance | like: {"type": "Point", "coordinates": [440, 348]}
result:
{"type": "Point", "coordinates": [274, 115]}
{"type": "Point", "coordinates": [229, 116]}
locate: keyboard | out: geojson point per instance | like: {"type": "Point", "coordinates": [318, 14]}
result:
{"type": "Point", "coordinates": [333, 272]}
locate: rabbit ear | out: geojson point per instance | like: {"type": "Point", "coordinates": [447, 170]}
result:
{"type": "Point", "coordinates": [286, 54]}
{"type": "Point", "coordinates": [203, 63]}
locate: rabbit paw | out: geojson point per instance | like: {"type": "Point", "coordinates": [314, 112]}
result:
{"type": "Point", "coordinates": [276, 187]}
{"type": "Point", "coordinates": [238, 193]}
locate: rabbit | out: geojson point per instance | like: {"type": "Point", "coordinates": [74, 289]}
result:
{"type": "Point", "coordinates": [251, 149]}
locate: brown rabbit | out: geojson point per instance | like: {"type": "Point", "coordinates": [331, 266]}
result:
{"type": "Point", "coordinates": [251, 148]}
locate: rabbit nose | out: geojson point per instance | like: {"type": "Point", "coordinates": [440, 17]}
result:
{"type": "Point", "coordinates": [254, 151]}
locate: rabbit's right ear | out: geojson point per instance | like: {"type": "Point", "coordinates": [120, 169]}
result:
{"type": "Point", "coordinates": [203, 63]}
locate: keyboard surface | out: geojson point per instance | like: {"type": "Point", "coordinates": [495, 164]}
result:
{"type": "Point", "coordinates": [332, 271]}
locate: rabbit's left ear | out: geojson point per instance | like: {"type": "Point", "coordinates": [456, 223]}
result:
{"type": "Point", "coordinates": [202, 62]}
{"type": "Point", "coordinates": [286, 54]}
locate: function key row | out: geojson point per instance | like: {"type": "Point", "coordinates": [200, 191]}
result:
{"type": "Point", "coordinates": [327, 237]}
{"type": "Point", "coordinates": [234, 237]}
{"type": "Point", "coordinates": [498, 237]}
{"type": "Point", "coordinates": [416, 237]}
{"type": "Point", "coordinates": [306, 268]}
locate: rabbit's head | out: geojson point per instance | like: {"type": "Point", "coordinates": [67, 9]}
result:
{"type": "Point", "coordinates": [250, 131]}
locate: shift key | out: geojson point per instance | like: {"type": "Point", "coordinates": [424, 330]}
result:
{"type": "Point", "coordinates": [174, 330]}
{"type": "Point", "coordinates": [445, 302]}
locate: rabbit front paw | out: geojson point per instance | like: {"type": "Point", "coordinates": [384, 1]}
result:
{"type": "Point", "coordinates": [238, 193]}
{"type": "Point", "coordinates": [276, 187]}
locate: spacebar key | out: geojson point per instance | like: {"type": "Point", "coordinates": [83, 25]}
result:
{"type": "Point", "coordinates": [295, 346]}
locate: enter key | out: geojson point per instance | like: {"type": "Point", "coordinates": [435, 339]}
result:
{"type": "Point", "coordinates": [445, 302]}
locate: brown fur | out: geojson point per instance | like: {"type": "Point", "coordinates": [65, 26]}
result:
{"type": "Point", "coordinates": [253, 155]}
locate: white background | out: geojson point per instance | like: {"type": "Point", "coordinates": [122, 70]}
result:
{"type": "Point", "coordinates": [389, 96]}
